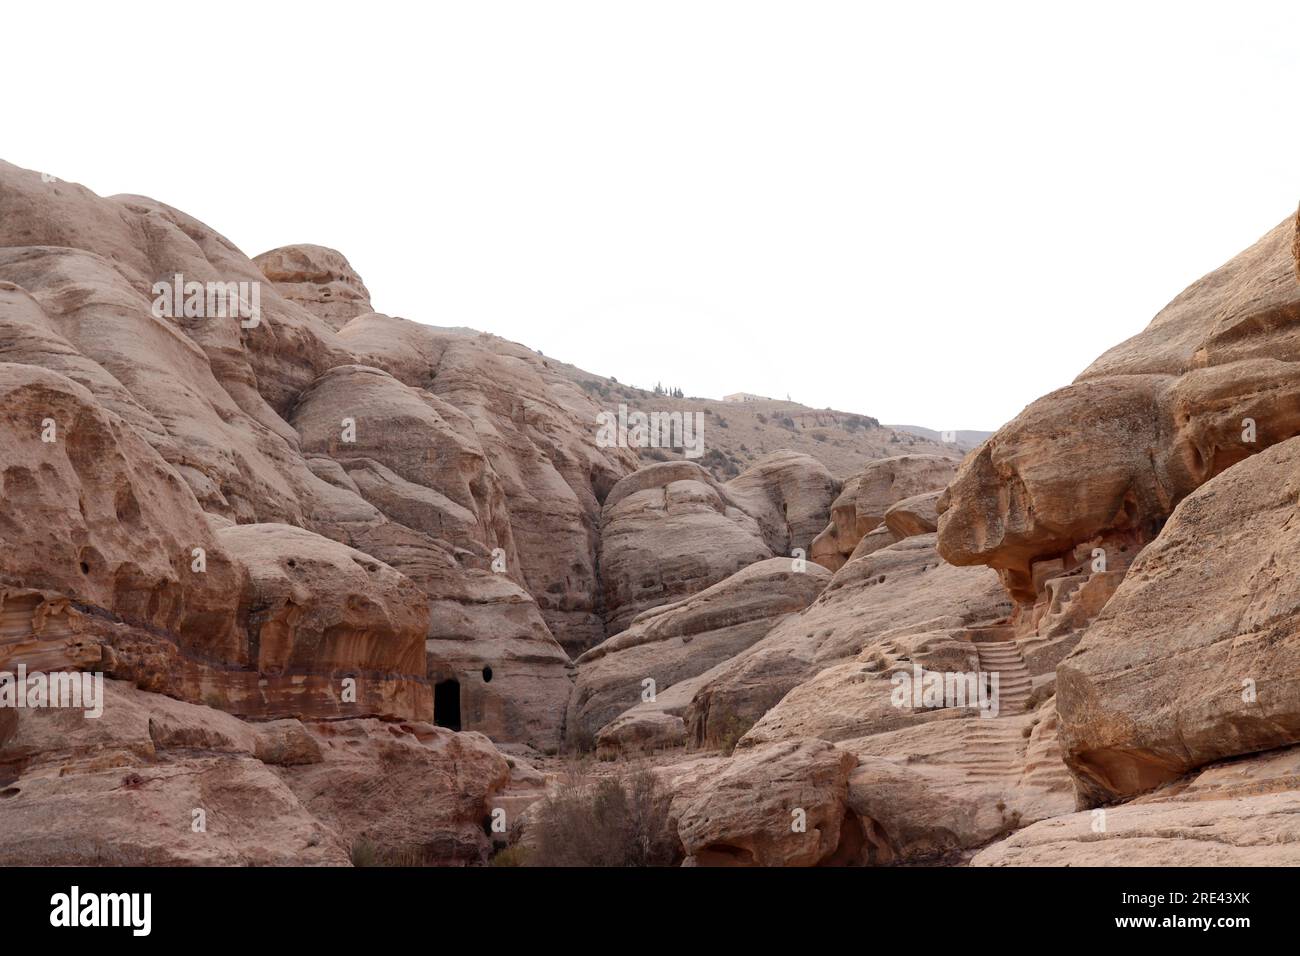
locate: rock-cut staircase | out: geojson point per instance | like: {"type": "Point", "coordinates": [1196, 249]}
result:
{"type": "Point", "coordinates": [1014, 681]}
{"type": "Point", "coordinates": [992, 749]}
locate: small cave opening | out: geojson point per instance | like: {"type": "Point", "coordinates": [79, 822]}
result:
{"type": "Point", "coordinates": [446, 704]}
{"type": "Point", "coordinates": [487, 675]}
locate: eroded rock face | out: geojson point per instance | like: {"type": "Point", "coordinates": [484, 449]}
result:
{"type": "Point", "coordinates": [538, 429]}
{"type": "Point", "coordinates": [668, 531]}
{"type": "Point", "coordinates": [183, 425]}
{"type": "Point", "coordinates": [1240, 813]}
{"type": "Point", "coordinates": [410, 454]}
{"type": "Point", "coordinates": [781, 805]}
{"type": "Point", "coordinates": [670, 644]}
{"type": "Point", "coordinates": [319, 279]}
{"type": "Point", "coordinates": [914, 515]}
{"type": "Point", "coordinates": [862, 505]}
{"type": "Point", "coordinates": [122, 789]}
{"type": "Point", "coordinates": [789, 495]}
{"type": "Point", "coordinates": [1103, 462]}
{"type": "Point", "coordinates": [1152, 691]}
{"type": "Point", "coordinates": [94, 515]}
{"type": "Point", "coordinates": [320, 612]}
{"type": "Point", "coordinates": [899, 588]}
{"type": "Point", "coordinates": [512, 680]}
{"type": "Point", "coordinates": [412, 792]}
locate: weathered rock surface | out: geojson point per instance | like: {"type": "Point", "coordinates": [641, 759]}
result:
{"type": "Point", "coordinates": [914, 515]}
{"type": "Point", "coordinates": [512, 678]}
{"type": "Point", "coordinates": [412, 792]}
{"type": "Point", "coordinates": [1102, 463]}
{"type": "Point", "coordinates": [1153, 691]}
{"type": "Point", "coordinates": [1238, 813]}
{"type": "Point", "coordinates": [321, 280]}
{"type": "Point", "coordinates": [320, 612]}
{"type": "Point", "coordinates": [899, 588]}
{"type": "Point", "coordinates": [123, 789]}
{"type": "Point", "coordinates": [94, 516]}
{"type": "Point", "coordinates": [538, 430]}
{"type": "Point", "coordinates": [174, 425]}
{"type": "Point", "coordinates": [668, 531]}
{"type": "Point", "coordinates": [669, 644]}
{"type": "Point", "coordinates": [861, 507]}
{"type": "Point", "coordinates": [781, 805]}
{"type": "Point", "coordinates": [410, 454]}
{"type": "Point", "coordinates": [788, 494]}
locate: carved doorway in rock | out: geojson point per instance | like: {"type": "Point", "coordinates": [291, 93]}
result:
{"type": "Point", "coordinates": [446, 704]}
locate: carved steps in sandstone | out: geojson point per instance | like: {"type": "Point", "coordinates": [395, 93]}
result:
{"type": "Point", "coordinates": [1014, 681]}
{"type": "Point", "coordinates": [1044, 765]}
{"type": "Point", "coordinates": [992, 750]}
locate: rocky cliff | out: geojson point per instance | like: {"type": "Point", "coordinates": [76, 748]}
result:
{"type": "Point", "coordinates": [360, 586]}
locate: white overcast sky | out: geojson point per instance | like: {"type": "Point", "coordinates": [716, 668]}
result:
{"type": "Point", "coordinates": [931, 213]}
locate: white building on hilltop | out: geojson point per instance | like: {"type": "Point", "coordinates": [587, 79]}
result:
{"type": "Point", "coordinates": [745, 397]}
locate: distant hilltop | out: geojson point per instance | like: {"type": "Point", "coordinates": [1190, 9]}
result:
{"type": "Point", "coordinates": [962, 437]}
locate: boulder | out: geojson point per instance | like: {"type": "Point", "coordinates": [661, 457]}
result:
{"type": "Point", "coordinates": [1238, 813]}
{"type": "Point", "coordinates": [789, 494]}
{"type": "Point", "coordinates": [405, 794]}
{"type": "Point", "coordinates": [914, 515]}
{"type": "Point", "coordinates": [780, 805]}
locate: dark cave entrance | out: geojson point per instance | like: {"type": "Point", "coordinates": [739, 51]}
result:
{"type": "Point", "coordinates": [446, 704]}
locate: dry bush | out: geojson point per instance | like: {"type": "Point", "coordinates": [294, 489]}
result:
{"type": "Point", "coordinates": [605, 821]}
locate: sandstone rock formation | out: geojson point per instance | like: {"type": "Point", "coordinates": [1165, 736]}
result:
{"type": "Point", "coordinates": [1239, 813]}
{"type": "Point", "coordinates": [905, 587]}
{"type": "Point", "coordinates": [156, 781]}
{"type": "Point", "coordinates": [123, 790]}
{"type": "Point", "coordinates": [178, 424]}
{"type": "Point", "coordinates": [298, 542]}
{"type": "Point", "coordinates": [668, 531]}
{"type": "Point", "coordinates": [782, 805]}
{"type": "Point", "coordinates": [318, 279]}
{"type": "Point", "coordinates": [1064, 498]}
{"type": "Point", "coordinates": [788, 495]}
{"type": "Point", "coordinates": [864, 501]}
{"type": "Point", "coordinates": [537, 430]}
{"type": "Point", "coordinates": [670, 644]}
{"type": "Point", "coordinates": [1103, 462]}
{"type": "Point", "coordinates": [1151, 691]}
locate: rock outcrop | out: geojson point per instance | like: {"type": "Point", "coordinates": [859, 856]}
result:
{"type": "Point", "coordinates": [902, 588]}
{"type": "Point", "coordinates": [168, 424]}
{"type": "Point", "coordinates": [783, 805]}
{"type": "Point", "coordinates": [1095, 468]}
{"type": "Point", "coordinates": [538, 430]}
{"type": "Point", "coordinates": [669, 644]}
{"type": "Point", "coordinates": [1152, 691]}
{"type": "Point", "coordinates": [865, 499]}
{"type": "Point", "coordinates": [1238, 813]}
{"type": "Point", "coordinates": [668, 531]}
{"type": "Point", "coordinates": [321, 280]}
